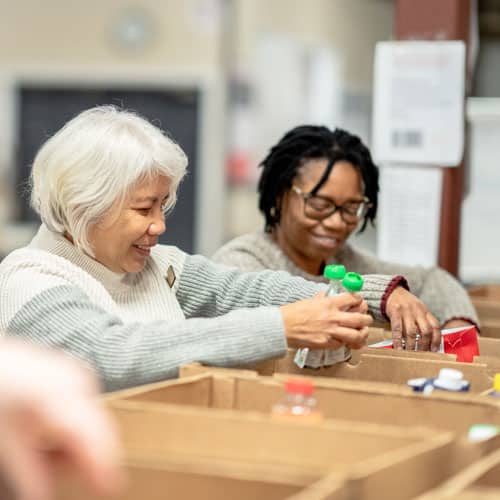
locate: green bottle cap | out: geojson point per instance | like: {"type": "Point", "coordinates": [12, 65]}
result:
{"type": "Point", "coordinates": [334, 272]}
{"type": "Point", "coordinates": [352, 282]}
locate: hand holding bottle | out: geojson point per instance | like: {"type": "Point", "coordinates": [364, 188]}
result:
{"type": "Point", "coordinates": [323, 322]}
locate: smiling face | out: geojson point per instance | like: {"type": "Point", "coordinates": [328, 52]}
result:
{"type": "Point", "coordinates": [122, 241]}
{"type": "Point", "coordinates": [307, 242]}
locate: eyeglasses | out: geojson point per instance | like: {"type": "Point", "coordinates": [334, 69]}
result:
{"type": "Point", "coordinates": [319, 207]}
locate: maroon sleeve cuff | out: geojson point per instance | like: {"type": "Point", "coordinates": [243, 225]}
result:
{"type": "Point", "coordinates": [395, 282]}
{"type": "Point", "coordinates": [463, 318]}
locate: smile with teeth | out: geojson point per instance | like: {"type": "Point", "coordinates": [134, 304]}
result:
{"type": "Point", "coordinates": [143, 250]}
{"type": "Point", "coordinates": [326, 239]}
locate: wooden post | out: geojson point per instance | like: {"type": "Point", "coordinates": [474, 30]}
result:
{"type": "Point", "coordinates": [440, 20]}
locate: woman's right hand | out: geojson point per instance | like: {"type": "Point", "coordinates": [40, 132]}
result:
{"type": "Point", "coordinates": [324, 322]}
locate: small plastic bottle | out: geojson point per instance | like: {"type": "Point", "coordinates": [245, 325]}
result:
{"type": "Point", "coordinates": [447, 380]}
{"type": "Point", "coordinates": [316, 358]}
{"type": "Point", "coordinates": [298, 402]}
{"type": "Point", "coordinates": [351, 283]}
{"type": "Point", "coordinates": [496, 386]}
{"type": "Point", "coordinates": [482, 432]}
{"type": "Point", "coordinates": [334, 273]}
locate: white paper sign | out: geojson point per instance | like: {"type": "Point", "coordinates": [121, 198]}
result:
{"type": "Point", "coordinates": [419, 102]}
{"type": "Point", "coordinates": [409, 214]}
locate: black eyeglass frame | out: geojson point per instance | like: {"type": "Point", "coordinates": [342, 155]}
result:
{"type": "Point", "coordinates": [363, 208]}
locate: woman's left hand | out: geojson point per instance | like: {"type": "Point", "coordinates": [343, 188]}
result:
{"type": "Point", "coordinates": [412, 321]}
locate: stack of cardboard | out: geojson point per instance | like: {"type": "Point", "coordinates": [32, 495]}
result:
{"type": "Point", "coordinates": [397, 367]}
{"type": "Point", "coordinates": [212, 430]}
{"type": "Point", "coordinates": [486, 300]}
{"type": "Point", "coordinates": [480, 481]}
{"type": "Point", "coordinates": [191, 451]}
{"type": "Point", "coordinates": [385, 365]}
{"type": "Point", "coordinates": [211, 434]}
{"type": "Point", "coordinates": [355, 401]}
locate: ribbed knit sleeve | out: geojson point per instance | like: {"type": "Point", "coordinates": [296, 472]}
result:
{"type": "Point", "coordinates": [209, 289]}
{"type": "Point", "coordinates": [439, 290]}
{"type": "Point", "coordinates": [131, 354]}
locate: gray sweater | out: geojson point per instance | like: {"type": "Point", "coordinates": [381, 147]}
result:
{"type": "Point", "coordinates": [135, 328]}
{"type": "Point", "coordinates": [442, 293]}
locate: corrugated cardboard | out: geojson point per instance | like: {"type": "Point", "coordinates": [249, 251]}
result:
{"type": "Point", "coordinates": [486, 300]}
{"type": "Point", "coordinates": [487, 292]}
{"type": "Point", "coordinates": [339, 399]}
{"type": "Point", "coordinates": [253, 447]}
{"type": "Point", "coordinates": [489, 346]}
{"type": "Point", "coordinates": [490, 328]}
{"type": "Point", "coordinates": [192, 453]}
{"type": "Point", "coordinates": [480, 480]}
{"type": "Point", "coordinates": [379, 367]}
{"type": "Point", "coordinates": [157, 480]}
{"type": "Point", "coordinates": [213, 437]}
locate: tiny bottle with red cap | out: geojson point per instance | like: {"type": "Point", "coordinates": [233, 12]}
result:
{"type": "Point", "coordinates": [298, 401]}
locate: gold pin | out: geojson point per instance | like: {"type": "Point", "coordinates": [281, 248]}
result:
{"type": "Point", "coordinates": [170, 276]}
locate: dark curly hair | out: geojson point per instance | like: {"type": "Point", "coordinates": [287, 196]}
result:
{"type": "Point", "coordinates": [307, 142]}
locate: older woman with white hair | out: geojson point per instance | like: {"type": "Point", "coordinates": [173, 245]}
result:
{"type": "Point", "coordinates": [95, 282]}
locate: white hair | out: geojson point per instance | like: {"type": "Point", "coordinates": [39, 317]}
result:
{"type": "Point", "coordinates": [93, 162]}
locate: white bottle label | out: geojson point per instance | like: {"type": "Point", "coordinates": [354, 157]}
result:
{"type": "Point", "coordinates": [314, 358]}
{"type": "Point", "coordinates": [301, 356]}
{"type": "Point", "coordinates": [333, 356]}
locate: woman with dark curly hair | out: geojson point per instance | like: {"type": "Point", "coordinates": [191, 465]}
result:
{"type": "Point", "coordinates": [317, 186]}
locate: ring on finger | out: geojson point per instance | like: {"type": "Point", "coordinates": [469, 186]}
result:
{"type": "Point", "coordinates": [417, 339]}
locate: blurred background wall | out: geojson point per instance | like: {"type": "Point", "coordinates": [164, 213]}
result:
{"type": "Point", "coordinates": [225, 77]}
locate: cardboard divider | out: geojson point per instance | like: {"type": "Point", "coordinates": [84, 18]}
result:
{"type": "Point", "coordinates": [487, 310]}
{"type": "Point", "coordinates": [158, 480]}
{"type": "Point", "coordinates": [207, 436]}
{"type": "Point", "coordinates": [489, 346]}
{"type": "Point", "coordinates": [481, 480]}
{"type": "Point", "coordinates": [376, 367]}
{"type": "Point", "coordinates": [486, 300]}
{"type": "Point", "coordinates": [319, 458]}
{"type": "Point", "coordinates": [338, 399]}
{"type": "Point", "coordinates": [489, 342]}
{"type": "Point", "coordinates": [358, 459]}
{"type": "Point", "coordinates": [490, 328]}
{"type": "Point", "coordinates": [485, 292]}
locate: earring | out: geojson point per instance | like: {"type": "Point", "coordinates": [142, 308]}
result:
{"type": "Point", "coordinates": [273, 211]}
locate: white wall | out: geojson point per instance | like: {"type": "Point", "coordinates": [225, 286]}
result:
{"type": "Point", "coordinates": [172, 44]}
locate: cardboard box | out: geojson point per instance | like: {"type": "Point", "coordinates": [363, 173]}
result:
{"type": "Point", "coordinates": [489, 345]}
{"type": "Point", "coordinates": [157, 480]}
{"type": "Point", "coordinates": [390, 367]}
{"type": "Point", "coordinates": [486, 300]}
{"type": "Point", "coordinates": [489, 349]}
{"type": "Point", "coordinates": [374, 403]}
{"type": "Point", "coordinates": [364, 459]}
{"type": "Point", "coordinates": [485, 292]}
{"type": "Point", "coordinates": [219, 438]}
{"type": "Point", "coordinates": [490, 328]}
{"type": "Point", "coordinates": [254, 447]}
{"type": "Point", "coordinates": [480, 480]}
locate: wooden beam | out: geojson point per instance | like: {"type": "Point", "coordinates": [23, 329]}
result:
{"type": "Point", "coordinates": [440, 20]}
